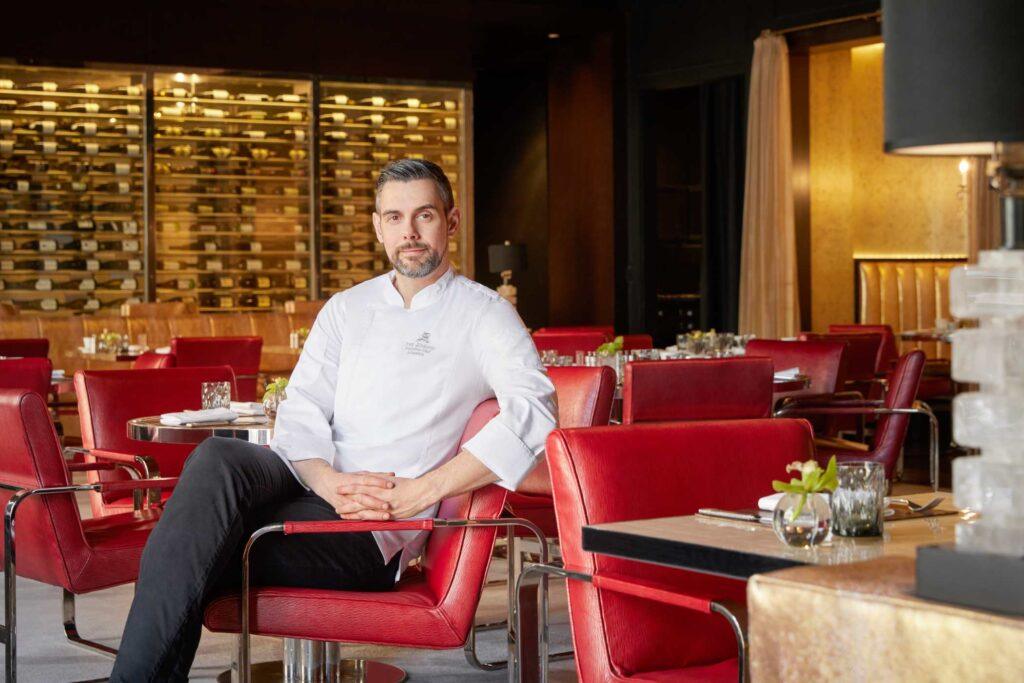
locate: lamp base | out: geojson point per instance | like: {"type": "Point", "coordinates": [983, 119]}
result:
{"type": "Point", "coordinates": [980, 580]}
{"type": "Point", "coordinates": [509, 293]}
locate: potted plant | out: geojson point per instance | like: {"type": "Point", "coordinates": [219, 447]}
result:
{"type": "Point", "coordinates": [273, 395]}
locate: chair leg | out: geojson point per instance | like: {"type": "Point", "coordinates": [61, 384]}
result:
{"type": "Point", "coordinates": [71, 630]}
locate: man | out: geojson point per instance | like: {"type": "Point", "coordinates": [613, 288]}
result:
{"type": "Point", "coordinates": [387, 379]}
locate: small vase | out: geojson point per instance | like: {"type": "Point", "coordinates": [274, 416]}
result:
{"type": "Point", "coordinates": [271, 400]}
{"type": "Point", "coordinates": [804, 525]}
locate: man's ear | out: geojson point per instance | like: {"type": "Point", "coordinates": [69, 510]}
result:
{"type": "Point", "coordinates": [454, 219]}
{"type": "Point", "coordinates": [376, 227]}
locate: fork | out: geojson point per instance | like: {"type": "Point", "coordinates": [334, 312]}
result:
{"type": "Point", "coordinates": [914, 507]}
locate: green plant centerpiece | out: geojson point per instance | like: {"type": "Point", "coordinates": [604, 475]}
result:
{"type": "Point", "coordinates": [273, 395]}
{"type": "Point", "coordinates": [610, 348]}
{"type": "Point", "coordinates": [802, 516]}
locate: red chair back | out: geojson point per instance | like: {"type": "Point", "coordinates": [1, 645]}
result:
{"type": "Point", "coordinates": [241, 353]}
{"type": "Point", "coordinates": [861, 352]}
{"type": "Point", "coordinates": [455, 559]}
{"type": "Point", "coordinates": [584, 395]}
{"type": "Point", "coordinates": [568, 343]}
{"type": "Point", "coordinates": [25, 348]}
{"type": "Point", "coordinates": [51, 544]}
{"type": "Point", "coordinates": [607, 330]}
{"type": "Point", "coordinates": [891, 430]}
{"type": "Point", "coordinates": [151, 360]}
{"type": "Point", "coordinates": [632, 342]}
{"type": "Point", "coordinates": [888, 352]}
{"type": "Point", "coordinates": [824, 362]}
{"type": "Point", "coordinates": [612, 474]}
{"type": "Point", "coordinates": [697, 389]}
{"type": "Point", "coordinates": [26, 373]}
{"type": "Point", "coordinates": [107, 399]}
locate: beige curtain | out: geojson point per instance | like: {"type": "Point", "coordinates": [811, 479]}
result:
{"type": "Point", "coordinates": [984, 230]}
{"type": "Point", "coordinates": [769, 306]}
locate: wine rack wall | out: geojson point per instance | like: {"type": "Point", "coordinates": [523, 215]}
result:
{"type": "Point", "coordinates": [237, 192]}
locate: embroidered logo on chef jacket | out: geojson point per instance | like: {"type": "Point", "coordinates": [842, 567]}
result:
{"type": "Point", "coordinates": [420, 347]}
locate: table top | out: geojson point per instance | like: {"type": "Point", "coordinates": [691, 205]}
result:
{"type": "Point", "coordinates": [742, 549]}
{"type": "Point", "coordinates": [253, 430]}
{"type": "Point", "coordinates": [795, 384]}
{"type": "Point", "coordinates": [926, 336]}
{"type": "Point", "coordinates": [107, 356]}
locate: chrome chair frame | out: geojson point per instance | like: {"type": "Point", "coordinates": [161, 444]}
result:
{"type": "Point", "coordinates": [877, 408]}
{"type": "Point", "coordinates": [732, 614]}
{"type": "Point", "coordinates": [514, 646]}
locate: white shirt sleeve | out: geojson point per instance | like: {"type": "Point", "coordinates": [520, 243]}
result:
{"type": "Point", "coordinates": [512, 443]}
{"type": "Point", "coordinates": [302, 429]}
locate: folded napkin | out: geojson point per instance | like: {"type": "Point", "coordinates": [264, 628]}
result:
{"type": "Point", "coordinates": [787, 374]}
{"type": "Point", "coordinates": [57, 374]}
{"type": "Point", "coordinates": [198, 417]}
{"type": "Point", "coordinates": [162, 349]}
{"type": "Point", "coordinates": [246, 408]}
{"type": "Point", "coordinates": [769, 502]}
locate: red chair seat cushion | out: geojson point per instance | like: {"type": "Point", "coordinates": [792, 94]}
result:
{"type": "Point", "coordinates": [406, 616]}
{"type": "Point", "coordinates": [727, 670]}
{"type": "Point", "coordinates": [125, 504]}
{"type": "Point", "coordinates": [116, 542]}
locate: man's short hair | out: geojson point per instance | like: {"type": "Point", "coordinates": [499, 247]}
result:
{"type": "Point", "coordinates": [404, 170]}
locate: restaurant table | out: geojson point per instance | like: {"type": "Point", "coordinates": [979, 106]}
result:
{"type": "Point", "coordinates": [105, 356]}
{"type": "Point", "coordinates": [742, 549]}
{"type": "Point", "coordinates": [861, 622]}
{"type": "Point", "coordinates": [926, 336]}
{"type": "Point", "coordinates": [254, 430]}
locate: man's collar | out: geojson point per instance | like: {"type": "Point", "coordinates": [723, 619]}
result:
{"type": "Point", "coordinates": [422, 298]}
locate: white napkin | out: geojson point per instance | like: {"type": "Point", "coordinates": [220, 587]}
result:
{"type": "Point", "coordinates": [198, 417]}
{"type": "Point", "coordinates": [162, 349]}
{"type": "Point", "coordinates": [769, 502]}
{"type": "Point", "coordinates": [246, 408]}
{"type": "Point", "coordinates": [57, 374]}
{"type": "Point", "coordinates": [787, 374]}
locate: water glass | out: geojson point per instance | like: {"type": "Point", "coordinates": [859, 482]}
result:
{"type": "Point", "coordinates": [858, 503]}
{"type": "Point", "coordinates": [216, 395]}
{"type": "Point", "coordinates": [581, 357]}
{"type": "Point", "coordinates": [549, 357]}
{"type": "Point", "coordinates": [89, 344]}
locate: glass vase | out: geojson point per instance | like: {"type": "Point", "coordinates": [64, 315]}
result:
{"type": "Point", "coordinates": [802, 522]}
{"type": "Point", "coordinates": [271, 400]}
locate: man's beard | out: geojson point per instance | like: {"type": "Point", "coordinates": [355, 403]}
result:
{"type": "Point", "coordinates": [431, 260]}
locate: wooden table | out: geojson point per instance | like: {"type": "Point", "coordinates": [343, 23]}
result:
{"type": "Point", "coordinates": [926, 336]}
{"type": "Point", "coordinates": [742, 549]}
{"type": "Point", "coordinates": [105, 356]}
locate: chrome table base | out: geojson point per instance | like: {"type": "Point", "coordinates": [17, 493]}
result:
{"type": "Point", "coordinates": [314, 661]}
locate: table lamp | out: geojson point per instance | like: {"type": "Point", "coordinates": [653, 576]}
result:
{"type": "Point", "coordinates": [504, 258]}
{"type": "Point", "coordinates": [954, 87]}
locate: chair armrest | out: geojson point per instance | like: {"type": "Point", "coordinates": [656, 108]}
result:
{"type": "Point", "coordinates": [854, 403]}
{"type": "Point", "coordinates": [133, 484]}
{"type": "Point", "coordinates": [91, 466]}
{"type": "Point", "coordinates": [651, 591]}
{"type": "Point", "coordinates": [825, 409]}
{"type": "Point", "coordinates": [346, 526]}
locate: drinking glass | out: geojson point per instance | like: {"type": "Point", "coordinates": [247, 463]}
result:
{"type": "Point", "coordinates": [858, 503]}
{"type": "Point", "coordinates": [216, 395]}
{"type": "Point", "coordinates": [140, 341]}
{"type": "Point", "coordinates": [581, 357]}
{"type": "Point", "coordinates": [548, 357]}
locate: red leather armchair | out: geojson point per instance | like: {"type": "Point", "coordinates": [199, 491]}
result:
{"type": "Point", "coordinates": [607, 330]}
{"type": "Point", "coordinates": [697, 389]}
{"type": "Point", "coordinates": [25, 348]}
{"type": "Point", "coordinates": [888, 352]}
{"type": "Point", "coordinates": [54, 544]}
{"type": "Point", "coordinates": [241, 353]}
{"type": "Point", "coordinates": [26, 373]}
{"type": "Point", "coordinates": [824, 362]}
{"type": "Point", "coordinates": [431, 607]}
{"type": "Point", "coordinates": [893, 415]}
{"type": "Point", "coordinates": [632, 342]}
{"type": "Point", "coordinates": [107, 399]}
{"type": "Point", "coordinates": [151, 360]}
{"type": "Point", "coordinates": [862, 351]}
{"type": "Point", "coordinates": [611, 474]}
{"type": "Point", "coordinates": [568, 343]}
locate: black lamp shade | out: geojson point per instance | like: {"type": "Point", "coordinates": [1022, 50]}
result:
{"type": "Point", "coordinates": [506, 257]}
{"type": "Point", "coordinates": [954, 75]}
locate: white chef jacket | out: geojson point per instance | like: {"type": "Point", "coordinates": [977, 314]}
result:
{"type": "Point", "coordinates": [382, 388]}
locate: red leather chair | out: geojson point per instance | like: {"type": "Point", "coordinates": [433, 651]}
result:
{"type": "Point", "coordinates": [431, 607]}
{"type": "Point", "coordinates": [54, 544]}
{"type": "Point", "coordinates": [888, 352]}
{"type": "Point", "coordinates": [25, 348]}
{"type": "Point", "coordinates": [935, 382]}
{"type": "Point", "coordinates": [862, 351]}
{"type": "Point", "coordinates": [697, 389]}
{"type": "Point", "coordinates": [824, 362]}
{"type": "Point", "coordinates": [151, 360]}
{"type": "Point", "coordinates": [568, 343]}
{"type": "Point", "coordinates": [241, 353]}
{"type": "Point", "coordinates": [107, 399]}
{"type": "Point", "coordinates": [893, 415]}
{"type": "Point", "coordinates": [612, 474]}
{"type": "Point", "coordinates": [632, 342]}
{"type": "Point", "coordinates": [607, 330]}
{"type": "Point", "coordinates": [584, 400]}
{"type": "Point", "coordinates": [26, 373]}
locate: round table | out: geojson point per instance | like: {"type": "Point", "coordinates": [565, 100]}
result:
{"type": "Point", "coordinates": [303, 660]}
{"type": "Point", "coordinates": [253, 430]}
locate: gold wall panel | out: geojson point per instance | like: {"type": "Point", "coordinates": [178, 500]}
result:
{"type": "Point", "coordinates": [865, 202]}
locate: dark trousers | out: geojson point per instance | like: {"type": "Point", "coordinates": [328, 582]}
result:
{"type": "Point", "coordinates": [228, 489]}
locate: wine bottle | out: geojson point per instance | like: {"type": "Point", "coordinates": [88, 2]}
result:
{"type": "Point", "coordinates": [45, 305]}
{"type": "Point", "coordinates": [22, 186]}
{"type": "Point", "coordinates": [118, 168]}
{"type": "Point", "coordinates": [36, 225]}
{"type": "Point", "coordinates": [85, 127]}
{"type": "Point", "coordinates": [130, 149]}
{"type": "Point", "coordinates": [254, 300]}
{"type": "Point", "coordinates": [86, 304]}
{"type": "Point", "coordinates": [126, 110]}
{"type": "Point", "coordinates": [126, 283]}
{"type": "Point", "coordinates": [116, 187]}
{"type": "Point", "coordinates": [209, 300]}
{"type": "Point", "coordinates": [253, 247]}
{"type": "Point", "coordinates": [123, 227]}
{"type": "Point", "coordinates": [256, 281]}
{"type": "Point", "coordinates": [46, 127]}
{"type": "Point", "coordinates": [88, 107]}
{"type": "Point", "coordinates": [91, 265]}
{"type": "Point", "coordinates": [133, 265]}
{"type": "Point", "coordinates": [182, 283]}
{"type": "Point", "coordinates": [132, 90]}
{"type": "Point", "coordinates": [210, 281]}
